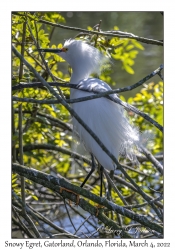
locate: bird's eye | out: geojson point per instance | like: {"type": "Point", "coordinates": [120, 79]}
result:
{"type": "Point", "coordinates": [64, 49]}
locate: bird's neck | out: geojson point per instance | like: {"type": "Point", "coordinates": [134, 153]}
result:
{"type": "Point", "coordinates": [78, 75]}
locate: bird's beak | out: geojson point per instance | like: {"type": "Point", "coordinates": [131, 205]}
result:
{"type": "Point", "coordinates": [56, 51]}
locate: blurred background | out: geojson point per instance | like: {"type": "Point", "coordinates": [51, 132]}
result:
{"type": "Point", "coordinates": [143, 24]}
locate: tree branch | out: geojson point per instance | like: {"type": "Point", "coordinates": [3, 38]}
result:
{"type": "Point", "coordinates": [42, 57]}
{"type": "Point", "coordinates": [56, 121]}
{"type": "Point", "coordinates": [55, 148]}
{"type": "Point", "coordinates": [97, 95]}
{"type": "Point", "coordinates": [70, 85]}
{"type": "Point", "coordinates": [66, 151]}
{"type": "Point", "coordinates": [80, 157]}
{"type": "Point", "coordinates": [56, 184]}
{"type": "Point", "coordinates": [82, 99]}
{"type": "Point", "coordinates": [156, 163]}
{"type": "Point", "coordinates": [107, 33]}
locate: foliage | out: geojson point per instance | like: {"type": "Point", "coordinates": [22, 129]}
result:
{"type": "Point", "coordinates": [150, 101]}
{"type": "Point", "coordinates": [46, 124]}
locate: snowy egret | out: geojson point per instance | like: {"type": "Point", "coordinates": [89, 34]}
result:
{"type": "Point", "coordinates": [104, 117]}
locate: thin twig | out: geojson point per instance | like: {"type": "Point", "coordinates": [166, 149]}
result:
{"type": "Point", "coordinates": [107, 33]}
{"type": "Point", "coordinates": [13, 133]}
{"type": "Point", "coordinates": [145, 203]}
{"type": "Point", "coordinates": [84, 217]}
{"type": "Point", "coordinates": [42, 57]}
{"type": "Point", "coordinates": [135, 170]}
{"type": "Point", "coordinates": [113, 33]}
{"type": "Point", "coordinates": [21, 156]}
{"type": "Point", "coordinates": [98, 29]}
{"type": "Point", "coordinates": [141, 159]}
{"type": "Point", "coordinates": [55, 148]}
{"type": "Point", "coordinates": [114, 187]}
{"type": "Point", "coordinates": [26, 217]}
{"type": "Point", "coordinates": [69, 215]}
{"type": "Point", "coordinates": [50, 118]}
{"type": "Point", "coordinates": [37, 217]}
{"type": "Point", "coordinates": [21, 223]}
{"type": "Point", "coordinates": [70, 85]}
{"type": "Point", "coordinates": [82, 224]}
{"type": "Point", "coordinates": [156, 163]}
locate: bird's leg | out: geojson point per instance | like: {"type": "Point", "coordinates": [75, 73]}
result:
{"type": "Point", "coordinates": [90, 173]}
{"type": "Point", "coordinates": [101, 180]}
{"type": "Point", "coordinates": [111, 175]}
{"type": "Point", "coordinates": [87, 177]}
{"type": "Point", "coordinates": [101, 189]}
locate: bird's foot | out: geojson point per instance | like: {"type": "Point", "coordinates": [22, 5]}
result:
{"type": "Point", "coordinates": [70, 191]}
{"type": "Point", "coordinates": [98, 207]}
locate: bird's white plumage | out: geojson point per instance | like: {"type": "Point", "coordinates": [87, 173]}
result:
{"type": "Point", "coordinates": [104, 117]}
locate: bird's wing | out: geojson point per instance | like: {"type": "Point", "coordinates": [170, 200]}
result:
{"type": "Point", "coordinates": [93, 85]}
{"type": "Point", "coordinates": [98, 86]}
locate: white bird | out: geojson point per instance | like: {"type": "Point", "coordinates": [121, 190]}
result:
{"type": "Point", "coordinates": [104, 117]}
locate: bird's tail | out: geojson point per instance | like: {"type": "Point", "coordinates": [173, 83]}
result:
{"type": "Point", "coordinates": [134, 141]}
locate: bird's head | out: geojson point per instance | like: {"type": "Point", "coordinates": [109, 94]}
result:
{"type": "Point", "coordinates": [81, 56]}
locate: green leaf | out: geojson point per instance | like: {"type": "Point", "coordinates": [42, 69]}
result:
{"type": "Point", "coordinates": [35, 197]}
{"type": "Point", "coordinates": [137, 44]}
{"type": "Point", "coordinates": [133, 53]}
{"type": "Point", "coordinates": [128, 69]}
{"type": "Point", "coordinates": [14, 180]}
{"type": "Point", "coordinates": [129, 47]}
